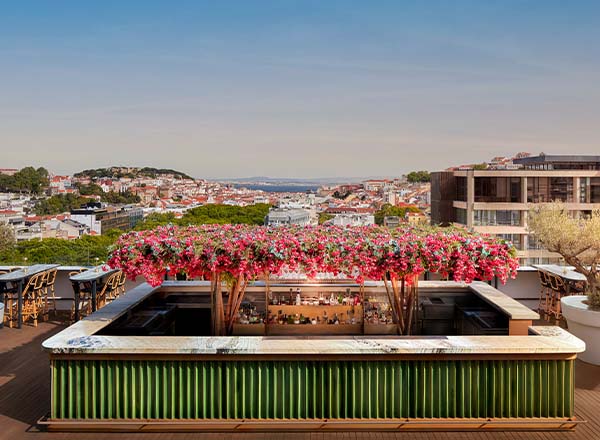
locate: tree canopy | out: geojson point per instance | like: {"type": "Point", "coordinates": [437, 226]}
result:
{"type": "Point", "coordinates": [391, 210]}
{"type": "Point", "coordinates": [28, 179]}
{"type": "Point", "coordinates": [118, 172]}
{"type": "Point", "coordinates": [210, 214]}
{"type": "Point", "coordinates": [418, 176]}
{"type": "Point", "coordinates": [59, 204]}
{"type": "Point", "coordinates": [126, 197]}
{"type": "Point", "coordinates": [82, 251]}
{"type": "Point", "coordinates": [241, 253]}
{"type": "Point", "coordinates": [576, 239]}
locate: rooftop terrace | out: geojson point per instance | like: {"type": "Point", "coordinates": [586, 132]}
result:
{"type": "Point", "coordinates": [25, 389]}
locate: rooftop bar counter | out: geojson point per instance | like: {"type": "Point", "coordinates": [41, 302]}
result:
{"type": "Point", "coordinates": [519, 378]}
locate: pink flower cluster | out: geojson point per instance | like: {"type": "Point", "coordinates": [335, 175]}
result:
{"type": "Point", "coordinates": [359, 252]}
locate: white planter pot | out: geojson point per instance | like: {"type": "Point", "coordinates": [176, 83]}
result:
{"type": "Point", "coordinates": [585, 324]}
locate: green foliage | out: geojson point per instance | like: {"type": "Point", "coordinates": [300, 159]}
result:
{"type": "Point", "coordinates": [480, 166]}
{"type": "Point", "coordinates": [28, 179]}
{"type": "Point", "coordinates": [323, 217]}
{"type": "Point", "coordinates": [155, 219]}
{"type": "Point", "coordinates": [82, 251]}
{"type": "Point", "coordinates": [92, 189]}
{"type": "Point", "coordinates": [126, 197]}
{"type": "Point", "coordinates": [210, 214]}
{"type": "Point", "coordinates": [7, 237]}
{"type": "Point", "coordinates": [226, 214]}
{"type": "Point", "coordinates": [117, 172]}
{"type": "Point", "coordinates": [388, 210]}
{"type": "Point", "coordinates": [59, 203]}
{"type": "Point", "coordinates": [89, 190]}
{"type": "Point", "coordinates": [418, 176]}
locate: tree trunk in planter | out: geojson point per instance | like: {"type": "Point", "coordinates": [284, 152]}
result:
{"type": "Point", "coordinates": [403, 295]}
{"type": "Point", "coordinates": [223, 314]}
{"type": "Point", "coordinates": [593, 290]}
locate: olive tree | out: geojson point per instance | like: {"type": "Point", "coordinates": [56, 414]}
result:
{"type": "Point", "coordinates": [575, 238]}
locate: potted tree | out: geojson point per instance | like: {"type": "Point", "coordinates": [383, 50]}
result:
{"type": "Point", "coordinates": [577, 240]}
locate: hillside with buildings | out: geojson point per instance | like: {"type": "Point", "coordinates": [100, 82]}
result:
{"type": "Point", "coordinates": [93, 202]}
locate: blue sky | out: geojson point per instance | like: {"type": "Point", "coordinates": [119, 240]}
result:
{"type": "Point", "coordinates": [295, 88]}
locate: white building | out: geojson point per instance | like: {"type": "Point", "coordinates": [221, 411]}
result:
{"type": "Point", "coordinates": [284, 217]}
{"type": "Point", "coordinates": [354, 219]}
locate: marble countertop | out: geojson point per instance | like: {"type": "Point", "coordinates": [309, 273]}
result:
{"type": "Point", "coordinates": [501, 301]}
{"type": "Point", "coordinates": [80, 338]}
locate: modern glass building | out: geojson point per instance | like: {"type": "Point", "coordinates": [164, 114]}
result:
{"type": "Point", "coordinates": [497, 201]}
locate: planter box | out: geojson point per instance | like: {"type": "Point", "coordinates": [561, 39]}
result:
{"type": "Point", "coordinates": [585, 324]}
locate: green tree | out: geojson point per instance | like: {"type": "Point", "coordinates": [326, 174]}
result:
{"type": "Point", "coordinates": [418, 176]}
{"type": "Point", "coordinates": [576, 239]}
{"type": "Point", "coordinates": [155, 219]}
{"type": "Point", "coordinates": [27, 179]}
{"type": "Point", "coordinates": [7, 238]}
{"type": "Point", "coordinates": [82, 251]}
{"type": "Point", "coordinates": [323, 217]}
{"type": "Point", "coordinates": [226, 214]}
{"type": "Point", "coordinates": [89, 190]}
{"type": "Point", "coordinates": [210, 214]}
{"type": "Point", "coordinates": [391, 210]}
{"type": "Point", "coordinates": [59, 203]}
{"type": "Point", "coordinates": [116, 172]}
{"type": "Point", "coordinates": [126, 197]}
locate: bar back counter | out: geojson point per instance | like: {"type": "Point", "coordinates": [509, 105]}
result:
{"type": "Point", "coordinates": [142, 364]}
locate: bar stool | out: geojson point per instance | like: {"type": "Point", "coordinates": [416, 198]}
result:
{"type": "Point", "coordinates": [559, 289]}
{"type": "Point", "coordinates": [33, 301]}
{"type": "Point", "coordinates": [111, 289]}
{"type": "Point", "coordinates": [122, 281]}
{"type": "Point", "coordinates": [545, 293]}
{"type": "Point", "coordinates": [85, 294]}
{"type": "Point", "coordinates": [49, 292]}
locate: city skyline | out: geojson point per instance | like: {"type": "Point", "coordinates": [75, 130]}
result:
{"type": "Point", "coordinates": [295, 89]}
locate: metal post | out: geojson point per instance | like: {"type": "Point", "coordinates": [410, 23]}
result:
{"type": "Point", "coordinates": [20, 303]}
{"type": "Point", "coordinates": [94, 287]}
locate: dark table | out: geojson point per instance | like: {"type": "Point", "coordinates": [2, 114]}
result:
{"type": "Point", "coordinates": [93, 276]}
{"type": "Point", "coordinates": [20, 278]}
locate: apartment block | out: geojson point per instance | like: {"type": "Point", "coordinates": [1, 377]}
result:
{"type": "Point", "coordinates": [497, 201]}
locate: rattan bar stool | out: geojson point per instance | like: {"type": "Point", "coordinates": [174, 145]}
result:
{"type": "Point", "coordinates": [559, 289]}
{"type": "Point", "coordinates": [545, 293]}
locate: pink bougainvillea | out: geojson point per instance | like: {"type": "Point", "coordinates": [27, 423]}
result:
{"type": "Point", "coordinates": [359, 252]}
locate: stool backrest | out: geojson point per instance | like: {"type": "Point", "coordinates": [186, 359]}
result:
{"type": "Point", "coordinates": [34, 286]}
{"type": "Point", "coordinates": [50, 277]}
{"type": "Point", "coordinates": [544, 278]}
{"type": "Point", "coordinates": [122, 278]}
{"type": "Point", "coordinates": [557, 283]}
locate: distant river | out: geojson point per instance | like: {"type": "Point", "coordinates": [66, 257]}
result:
{"type": "Point", "coordinates": [279, 187]}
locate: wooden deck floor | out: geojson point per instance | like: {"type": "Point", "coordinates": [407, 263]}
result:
{"type": "Point", "coordinates": [24, 398]}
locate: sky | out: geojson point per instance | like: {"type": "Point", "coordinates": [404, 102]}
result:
{"type": "Point", "coordinates": [278, 88]}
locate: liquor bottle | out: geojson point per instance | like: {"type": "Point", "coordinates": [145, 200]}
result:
{"type": "Point", "coordinates": [298, 299]}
